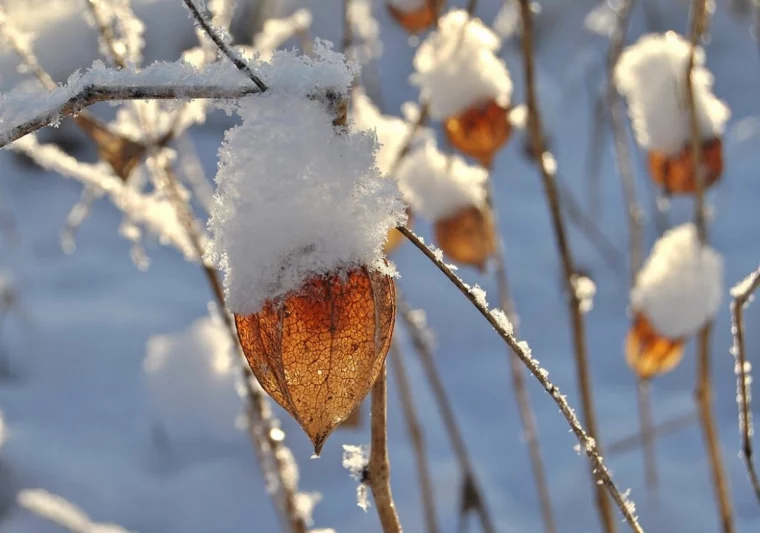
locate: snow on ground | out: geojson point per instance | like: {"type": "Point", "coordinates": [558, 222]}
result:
{"type": "Point", "coordinates": [79, 420]}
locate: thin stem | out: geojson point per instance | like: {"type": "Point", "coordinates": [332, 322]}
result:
{"type": "Point", "coordinates": [634, 218]}
{"type": "Point", "coordinates": [421, 342]}
{"type": "Point", "coordinates": [262, 425]}
{"type": "Point", "coordinates": [379, 467]}
{"type": "Point", "coordinates": [703, 393]}
{"type": "Point", "coordinates": [521, 349]}
{"type": "Point", "coordinates": [94, 93]}
{"type": "Point", "coordinates": [550, 188]}
{"type": "Point", "coordinates": [214, 35]}
{"type": "Point", "coordinates": [106, 35]}
{"type": "Point", "coordinates": [524, 407]}
{"type": "Point", "coordinates": [644, 397]}
{"type": "Point", "coordinates": [743, 379]}
{"type": "Point", "coordinates": [416, 436]}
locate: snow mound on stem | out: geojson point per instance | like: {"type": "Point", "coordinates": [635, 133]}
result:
{"type": "Point", "coordinates": [652, 76]}
{"type": "Point", "coordinates": [297, 197]}
{"type": "Point", "coordinates": [680, 287]}
{"type": "Point", "coordinates": [437, 186]}
{"type": "Point", "coordinates": [456, 66]}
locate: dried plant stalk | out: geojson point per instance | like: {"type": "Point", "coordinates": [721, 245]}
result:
{"type": "Point", "coordinates": [414, 428]}
{"type": "Point", "coordinates": [521, 349]}
{"type": "Point", "coordinates": [550, 187]}
{"type": "Point", "coordinates": [704, 391]}
{"type": "Point", "coordinates": [743, 380]}
{"type": "Point", "coordinates": [522, 398]}
{"type": "Point", "coordinates": [379, 467]}
{"type": "Point", "coordinates": [421, 342]}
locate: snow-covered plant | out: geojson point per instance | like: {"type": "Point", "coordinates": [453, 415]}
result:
{"type": "Point", "coordinates": [680, 286]}
{"type": "Point", "coordinates": [456, 67]}
{"type": "Point", "coordinates": [652, 76]}
{"type": "Point", "coordinates": [438, 186]}
{"type": "Point", "coordinates": [300, 239]}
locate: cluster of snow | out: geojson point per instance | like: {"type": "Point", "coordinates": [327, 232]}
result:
{"type": "Point", "coordinates": [457, 67]}
{"type": "Point", "coordinates": [437, 185]}
{"type": "Point", "coordinates": [190, 377]}
{"type": "Point", "coordinates": [285, 211]}
{"type": "Point", "coordinates": [355, 460]}
{"type": "Point", "coordinates": [652, 76]}
{"type": "Point", "coordinates": [680, 286]}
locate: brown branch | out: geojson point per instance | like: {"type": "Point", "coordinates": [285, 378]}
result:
{"type": "Point", "coordinates": [420, 338]}
{"type": "Point", "coordinates": [634, 218]}
{"type": "Point", "coordinates": [524, 407]}
{"type": "Point", "coordinates": [94, 93]}
{"type": "Point", "coordinates": [704, 392]}
{"type": "Point", "coordinates": [414, 428]}
{"type": "Point", "coordinates": [263, 427]}
{"type": "Point", "coordinates": [550, 188]}
{"type": "Point", "coordinates": [587, 443]}
{"type": "Point", "coordinates": [743, 379]}
{"type": "Point", "coordinates": [379, 467]}
{"type": "Point", "coordinates": [213, 34]}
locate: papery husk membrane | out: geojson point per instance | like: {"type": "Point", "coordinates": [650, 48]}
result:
{"type": "Point", "coordinates": [468, 236]}
{"type": "Point", "coordinates": [676, 174]}
{"type": "Point", "coordinates": [648, 352]}
{"type": "Point", "coordinates": [480, 131]}
{"type": "Point", "coordinates": [318, 351]}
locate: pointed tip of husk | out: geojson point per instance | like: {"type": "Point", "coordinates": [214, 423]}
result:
{"type": "Point", "coordinates": [318, 441]}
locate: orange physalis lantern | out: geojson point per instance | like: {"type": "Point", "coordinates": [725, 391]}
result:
{"type": "Point", "coordinates": [319, 350]}
{"type": "Point", "coordinates": [416, 20]}
{"type": "Point", "coordinates": [480, 131]}
{"type": "Point", "coordinates": [676, 173]}
{"type": "Point", "coordinates": [468, 236]}
{"type": "Point", "coordinates": [648, 352]}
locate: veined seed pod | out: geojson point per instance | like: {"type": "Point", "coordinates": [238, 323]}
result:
{"type": "Point", "coordinates": [480, 131]}
{"type": "Point", "coordinates": [648, 352]}
{"type": "Point", "coordinates": [415, 20]}
{"type": "Point", "coordinates": [467, 236]}
{"type": "Point", "coordinates": [319, 350]}
{"type": "Point", "coordinates": [676, 173]}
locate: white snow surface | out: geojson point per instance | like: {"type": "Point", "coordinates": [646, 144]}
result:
{"type": "Point", "coordinates": [456, 66]}
{"type": "Point", "coordinates": [295, 199]}
{"type": "Point", "coordinates": [652, 76]}
{"type": "Point", "coordinates": [437, 185]}
{"type": "Point", "coordinates": [680, 286]}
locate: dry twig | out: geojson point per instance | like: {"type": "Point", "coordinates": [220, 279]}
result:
{"type": "Point", "coordinates": [587, 443]}
{"type": "Point", "coordinates": [553, 199]}
{"type": "Point", "coordinates": [524, 407]}
{"type": "Point", "coordinates": [704, 390]}
{"type": "Point", "coordinates": [379, 467]}
{"type": "Point", "coordinates": [742, 297]}
{"type": "Point", "coordinates": [414, 428]}
{"type": "Point", "coordinates": [420, 338]}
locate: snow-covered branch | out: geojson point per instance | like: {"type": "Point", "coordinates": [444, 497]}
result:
{"type": "Point", "coordinates": [23, 112]}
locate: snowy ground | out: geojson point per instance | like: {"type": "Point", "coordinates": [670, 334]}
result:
{"type": "Point", "coordinates": [80, 411]}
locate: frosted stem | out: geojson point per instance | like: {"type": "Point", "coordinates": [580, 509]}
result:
{"type": "Point", "coordinates": [743, 379]}
{"type": "Point", "coordinates": [521, 350]}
